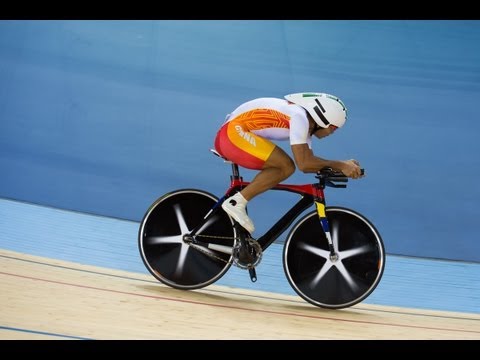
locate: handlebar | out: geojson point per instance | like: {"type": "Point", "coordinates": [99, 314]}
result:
{"type": "Point", "coordinates": [329, 177]}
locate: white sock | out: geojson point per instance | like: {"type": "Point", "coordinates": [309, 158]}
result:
{"type": "Point", "coordinates": [240, 199]}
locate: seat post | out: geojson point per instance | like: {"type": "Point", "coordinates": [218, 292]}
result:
{"type": "Point", "coordinates": [235, 172]}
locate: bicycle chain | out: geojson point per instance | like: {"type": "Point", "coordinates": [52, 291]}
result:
{"type": "Point", "coordinates": [216, 236]}
{"type": "Point", "coordinates": [200, 248]}
{"type": "Point", "coordinates": [213, 256]}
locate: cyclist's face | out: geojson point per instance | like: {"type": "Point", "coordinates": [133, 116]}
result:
{"type": "Point", "coordinates": [318, 131]}
{"type": "Point", "coordinates": [321, 133]}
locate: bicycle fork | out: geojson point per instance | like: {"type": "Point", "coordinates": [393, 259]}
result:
{"type": "Point", "coordinates": [320, 205]}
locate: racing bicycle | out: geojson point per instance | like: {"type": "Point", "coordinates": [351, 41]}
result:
{"type": "Point", "coordinates": [333, 257]}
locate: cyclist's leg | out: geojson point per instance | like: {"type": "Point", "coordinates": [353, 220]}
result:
{"type": "Point", "coordinates": [257, 153]}
{"type": "Point", "coordinates": [253, 152]}
{"type": "Point", "coordinates": [278, 167]}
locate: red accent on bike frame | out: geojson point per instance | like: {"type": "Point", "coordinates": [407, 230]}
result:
{"type": "Point", "coordinates": [299, 189]}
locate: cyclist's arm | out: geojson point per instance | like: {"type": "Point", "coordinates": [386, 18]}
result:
{"type": "Point", "coordinates": [309, 163]}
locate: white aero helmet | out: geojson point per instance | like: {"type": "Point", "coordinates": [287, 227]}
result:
{"type": "Point", "coordinates": [325, 109]}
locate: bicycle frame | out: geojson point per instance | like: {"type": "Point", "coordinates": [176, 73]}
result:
{"type": "Point", "coordinates": [311, 194]}
{"type": "Point", "coordinates": [357, 259]}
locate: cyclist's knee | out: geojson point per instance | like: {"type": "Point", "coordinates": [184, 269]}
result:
{"type": "Point", "coordinates": [279, 159]}
{"type": "Point", "coordinates": [289, 168]}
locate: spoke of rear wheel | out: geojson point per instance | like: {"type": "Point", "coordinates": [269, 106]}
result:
{"type": "Point", "coordinates": [207, 224]}
{"type": "Point", "coordinates": [153, 240]}
{"type": "Point", "coordinates": [184, 247]}
{"type": "Point", "coordinates": [175, 239]}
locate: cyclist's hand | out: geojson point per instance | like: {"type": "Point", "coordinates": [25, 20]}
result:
{"type": "Point", "coordinates": [351, 168]}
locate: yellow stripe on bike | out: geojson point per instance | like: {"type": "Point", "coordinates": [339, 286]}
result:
{"type": "Point", "coordinates": [320, 209]}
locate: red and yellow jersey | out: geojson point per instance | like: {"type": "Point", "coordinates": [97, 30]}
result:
{"type": "Point", "coordinates": [245, 137]}
{"type": "Point", "coordinates": [274, 119]}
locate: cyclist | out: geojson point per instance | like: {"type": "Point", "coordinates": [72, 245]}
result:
{"type": "Point", "coordinates": [245, 139]}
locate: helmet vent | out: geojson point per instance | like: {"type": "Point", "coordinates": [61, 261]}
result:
{"type": "Point", "coordinates": [320, 113]}
{"type": "Point", "coordinates": [319, 104]}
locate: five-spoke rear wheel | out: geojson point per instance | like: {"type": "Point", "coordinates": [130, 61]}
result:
{"type": "Point", "coordinates": [162, 246]}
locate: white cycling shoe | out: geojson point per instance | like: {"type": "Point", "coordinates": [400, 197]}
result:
{"type": "Point", "coordinates": [235, 207]}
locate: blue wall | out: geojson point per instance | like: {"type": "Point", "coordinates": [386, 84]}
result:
{"type": "Point", "coordinates": [105, 116]}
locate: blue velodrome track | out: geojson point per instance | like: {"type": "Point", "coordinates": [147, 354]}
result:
{"type": "Point", "coordinates": [112, 243]}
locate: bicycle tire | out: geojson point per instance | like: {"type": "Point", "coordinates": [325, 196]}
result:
{"type": "Point", "coordinates": [334, 284]}
{"type": "Point", "coordinates": [167, 257]}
